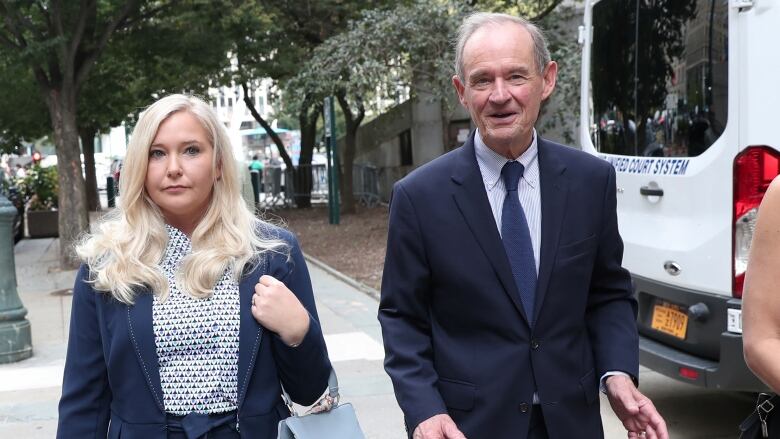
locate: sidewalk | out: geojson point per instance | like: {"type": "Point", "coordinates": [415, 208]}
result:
{"type": "Point", "coordinates": [30, 389]}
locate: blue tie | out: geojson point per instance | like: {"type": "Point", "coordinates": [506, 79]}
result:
{"type": "Point", "coordinates": [517, 239]}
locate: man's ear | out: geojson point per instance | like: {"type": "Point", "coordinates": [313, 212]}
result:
{"type": "Point", "coordinates": [460, 89]}
{"type": "Point", "coordinates": [549, 77]}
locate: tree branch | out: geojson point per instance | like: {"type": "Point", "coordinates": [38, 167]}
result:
{"type": "Point", "coordinates": [20, 20]}
{"type": "Point", "coordinates": [275, 137]}
{"type": "Point", "coordinates": [12, 24]}
{"type": "Point", "coordinates": [88, 61]}
{"type": "Point", "coordinates": [148, 14]}
{"type": "Point", "coordinates": [56, 8]}
{"type": "Point", "coordinates": [342, 98]}
{"type": "Point", "coordinates": [546, 11]}
{"type": "Point", "coordinates": [361, 111]}
{"type": "Point", "coordinates": [43, 11]}
{"type": "Point", "coordinates": [9, 43]}
{"type": "Point", "coordinates": [81, 24]}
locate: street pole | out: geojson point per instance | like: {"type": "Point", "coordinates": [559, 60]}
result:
{"type": "Point", "coordinates": [332, 156]}
{"type": "Point", "coordinates": [15, 335]}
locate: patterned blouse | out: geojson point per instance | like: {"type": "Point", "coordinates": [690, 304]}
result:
{"type": "Point", "coordinates": [197, 340]}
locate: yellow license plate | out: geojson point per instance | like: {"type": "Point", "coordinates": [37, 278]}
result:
{"type": "Point", "coordinates": [670, 319]}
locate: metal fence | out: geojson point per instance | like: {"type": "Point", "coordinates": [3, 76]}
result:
{"type": "Point", "coordinates": [280, 188]}
{"type": "Point", "coordinates": [365, 185]}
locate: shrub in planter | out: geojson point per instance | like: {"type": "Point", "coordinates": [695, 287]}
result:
{"type": "Point", "coordinates": [40, 189]}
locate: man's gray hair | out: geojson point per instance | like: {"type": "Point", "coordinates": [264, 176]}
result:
{"type": "Point", "coordinates": [478, 20]}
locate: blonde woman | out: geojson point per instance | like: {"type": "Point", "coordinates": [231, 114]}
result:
{"type": "Point", "coordinates": [188, 311]}
{"type": "Point", "coordinates": [761, 300]}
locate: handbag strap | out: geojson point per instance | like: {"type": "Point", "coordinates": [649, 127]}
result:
{"type": "Point", "coordinates": [765, 403]}
{"type": "Point", "coordinates": [333, 393]}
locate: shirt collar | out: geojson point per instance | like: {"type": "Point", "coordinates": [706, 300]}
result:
{"type": "Point", "coordinates": [490, 162]}
{"type": "Point", "coordinates": [179, 244]}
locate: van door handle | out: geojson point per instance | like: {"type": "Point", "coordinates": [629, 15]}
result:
{"type": "Point", "coordinates": [651, 191]}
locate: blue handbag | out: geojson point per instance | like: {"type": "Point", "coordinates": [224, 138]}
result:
{"type": "Point", "coordinates": [328, 420]}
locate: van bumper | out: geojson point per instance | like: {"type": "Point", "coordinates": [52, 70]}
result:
{"type": "Point", "coordinates": [730, 373]}
{"type": "Point", "coordinates": [710, 356]}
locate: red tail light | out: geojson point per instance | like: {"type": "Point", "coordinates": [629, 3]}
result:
{"type": "Point", "coordinates": [754, 170]}
{"type": "Point", "coordinates": [689, 373]}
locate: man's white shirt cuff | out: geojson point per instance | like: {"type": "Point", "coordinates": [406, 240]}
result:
{"type": "Point", "coordinates": [603, 382]}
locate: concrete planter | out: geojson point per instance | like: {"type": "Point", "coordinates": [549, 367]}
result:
{"type": "Point", "coordinates": [43, 223]}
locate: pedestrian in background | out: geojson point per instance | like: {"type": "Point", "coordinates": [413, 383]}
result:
{"type": "Point", "coordinates": [256, 171]}
{"type": "Point", "coordinates": [188, 311]}
{"type": "Point", "coordinates": [504, 305]}
{"type": "Point", "coordinates": [761, 298]}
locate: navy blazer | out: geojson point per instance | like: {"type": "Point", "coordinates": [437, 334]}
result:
{"type": "Point", "coordinates": [456, 337]}
{"type": "Point", "coordinates": [111, 386]}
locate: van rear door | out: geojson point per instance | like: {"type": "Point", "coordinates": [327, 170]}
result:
{"type": "Point", "coordinates": [660, 113]}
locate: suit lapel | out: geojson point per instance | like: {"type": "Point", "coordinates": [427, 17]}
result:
{"type": "Point", "coordinates": [553, 190]}
{"type": "Point", "coordinates": [250, 333]}
{"type": "Point", "coordinates": [471, 199]}
{"type": "Point", "coordinates": [140, 325]}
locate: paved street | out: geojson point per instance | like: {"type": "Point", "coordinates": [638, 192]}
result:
{"type": "Point", "coordinates": [29, 390]}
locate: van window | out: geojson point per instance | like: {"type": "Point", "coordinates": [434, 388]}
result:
{"type": "Point", "coordinates": [669, 66]}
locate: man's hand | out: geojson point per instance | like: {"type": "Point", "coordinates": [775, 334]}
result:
{"type": "Point", "coordinates": [438, 427]}
{"type": "Point", "coordinates": [637, 413]}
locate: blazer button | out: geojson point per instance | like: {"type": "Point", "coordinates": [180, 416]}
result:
{"type": "Point", "coordinates": [524, 407]}
{"type": "Point", "coordinates": [534, 344]}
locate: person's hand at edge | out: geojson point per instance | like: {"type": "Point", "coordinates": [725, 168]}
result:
{"type": "Point", "coordinates": [438, 427]}
{"type": "Point", "coordinates": [637, 413]}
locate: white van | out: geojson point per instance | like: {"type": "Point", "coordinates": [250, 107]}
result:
{"type": "Point", "coordinates": [691, 170]}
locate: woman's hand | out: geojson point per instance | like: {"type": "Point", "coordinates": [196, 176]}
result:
{"type": "Point", "coordinates": [276, 308]}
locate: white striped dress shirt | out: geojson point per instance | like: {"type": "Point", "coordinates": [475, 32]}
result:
{"type": "Point", "coordinates": [490, 165]}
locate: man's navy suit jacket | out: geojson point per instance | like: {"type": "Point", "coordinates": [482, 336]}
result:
{"type": "Point", "coordinates": [456, 337]}
{"type": "Point", "coordinates": [112, 372]}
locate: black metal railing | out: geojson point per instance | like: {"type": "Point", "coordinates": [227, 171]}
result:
{"type": "Point", "coordinates": [285, 187]}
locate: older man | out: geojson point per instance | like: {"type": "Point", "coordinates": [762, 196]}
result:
{"type": "Point", "coordinates": [504, 304]}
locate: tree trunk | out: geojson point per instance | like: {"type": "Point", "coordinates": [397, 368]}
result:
{"type": "Point", "coordinates": [73, 216]}
{"type": "Point", "coordinates": [348, 204]}
{"type": "Point", "coordinates": [307, 118]}
{"type": "Point", "coordinates": [87, 135]}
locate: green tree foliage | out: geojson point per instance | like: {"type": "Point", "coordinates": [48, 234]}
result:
{"type": "Point", "coordinates": [558, 26]}
{"type": "Point", "coordinates": [273, 39]}
{"type": "Point", "coordinates": [95, 64]}
{"type": "Point", "coordinates": [60, 42]}
{"type": "Point", "coordinates": [534, 10]}
{"type": "Point", "coordinates": [22, 111]}
{"type": "Point", "coordinates": [384, 53]}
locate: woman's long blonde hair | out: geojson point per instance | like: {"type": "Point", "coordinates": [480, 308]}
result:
{"type": "Point", "coordinates": [123, 255]}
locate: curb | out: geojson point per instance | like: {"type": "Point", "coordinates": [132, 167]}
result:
{"type": "Point", "coordinates": [371, 292]}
